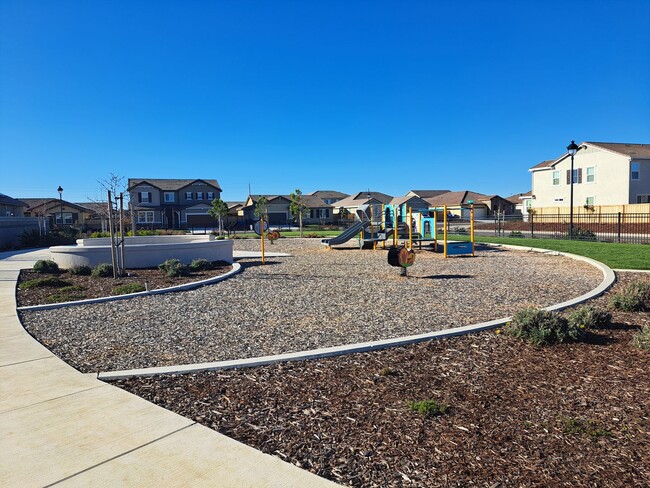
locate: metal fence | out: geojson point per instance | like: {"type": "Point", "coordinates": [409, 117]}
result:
{"type": "Point", "coordinates": [631, 228]}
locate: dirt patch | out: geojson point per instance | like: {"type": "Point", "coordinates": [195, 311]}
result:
{"type": "Point", "coordinates": [75, 287]}
{"type": "Point", "coordinates": [569, 415]}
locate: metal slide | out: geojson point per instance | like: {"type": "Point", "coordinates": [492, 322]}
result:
{"type": "Point", "coordinates": [347, 234]}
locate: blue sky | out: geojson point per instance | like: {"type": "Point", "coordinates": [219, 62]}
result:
{"type": "Point", "coordinates": [340, 95]}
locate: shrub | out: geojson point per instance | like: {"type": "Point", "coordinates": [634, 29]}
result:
{"type": "Point", "coordinates": [128, 288]}
{"type": "Point", "coordinates": [173, 268]}
{"type": "Point", "coordinates": [543, 328]}
{"type": "Point", "coordinates": [642, 339]}
{"type": "Point", "coordinates": [46, 266]}
{"type": "Point", "coordinates": [584, 427]}
{"type": "Point", "coordinates": [67, 294]}
{"type": "Point", "coordinates": [632, 297]}
{"type": "Point", "coordinates": [81, 270]}
{"type": "Point", "coordinates": [103, 270]}
{"type": "Point", "coordinates": [428, 408]}
{"type": "Point", "coordinates": [516, 233]}
{"type": "Point", "coordinates": [200, 265]}
{"type": "Point", "coordinates": [583, 234]}
{"type": "Point", "coordinates": [50, 281]}
{"type": "Point", "coordinates": [589, 317]}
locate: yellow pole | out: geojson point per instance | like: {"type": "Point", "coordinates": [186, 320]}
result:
{"type": "Point", "coordinates": [395, 226]}
{"type": "Point", "coordinates": [444, 229]}
{"type": "Point", "coordinates": [410, 213]}
{"type": "Point", "coordinates": [435, 230]}
{"type": "Point", "coordinates": [471, 227]}
{"type": "Point", "coordinates": [372, 230]}
{"type": "Point", "coordinates": [383, 224]}
{"type": "Point", "coordinates": [262, 234]}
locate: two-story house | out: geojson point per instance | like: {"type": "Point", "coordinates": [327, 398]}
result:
{"type": "Point", "coordinates": [173, 203]}
{"type": "Point", "coordinates": [604, 173]}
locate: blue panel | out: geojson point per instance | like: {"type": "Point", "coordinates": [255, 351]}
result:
{"type": "Point", "coordinates": [459, 248]}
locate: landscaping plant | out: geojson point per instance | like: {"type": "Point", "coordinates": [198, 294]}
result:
{"type": "Point", "coordinates": [81, 270]}
{"type": "Point", "coordinates": [543, 328]}
{"type": "Point", "coordinates": [173, 268]}
{"type": "Point", "coordinates": [128, 288]}
{"type": "Point", "coordinates": [46, 266]}
{"type": "Point", "coordinates": [428, 408]}
{"type": "Point", "coordinates": [589, 317]}
{"type": "Point", "coordinates": [201, 265]}
{"type": "Point", "coordinates": [632, 298]}
{"type": "Point", "coordinates": [103, 270]}
{"type": "Point", "coordinates": [642, 339]}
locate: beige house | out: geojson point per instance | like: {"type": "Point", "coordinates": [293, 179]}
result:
{"type": "Point", "coordinates": [604, 173]}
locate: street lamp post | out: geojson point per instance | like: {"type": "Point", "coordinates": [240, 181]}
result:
{"type": "Point", "coordinates": [572, 149]}
{"type": "Point", "coordinates": [60, 190]}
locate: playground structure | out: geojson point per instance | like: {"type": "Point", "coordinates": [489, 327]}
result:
{"type": "Point", "coordinates": [400, 223]}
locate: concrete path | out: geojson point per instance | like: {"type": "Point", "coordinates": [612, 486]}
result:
{"type": "Point", "coordinates": [61, 427]}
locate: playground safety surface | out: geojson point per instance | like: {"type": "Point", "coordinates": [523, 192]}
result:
{"type": "Point", "coordinates": [315, 298]}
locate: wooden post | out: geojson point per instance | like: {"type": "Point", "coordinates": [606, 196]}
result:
{"type": "Point", "coordinates": [123, 264]}
{"type": "Point", "coordinates": [444, 230]}
{"type": "Point", "coordinates": [262, 234]}
{"type": "Point", "coordinates": [471, 226]}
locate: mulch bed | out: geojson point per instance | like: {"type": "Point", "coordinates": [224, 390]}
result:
{"type": "Point", "coordinates": [568, 415]}
{"type": "Point", "coordinates": [103, 287]}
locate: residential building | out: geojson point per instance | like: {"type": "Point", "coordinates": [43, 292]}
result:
{"type": "Point", "coordinates": [521, 201]}
{"type": "Point", "coordinates": [426, 193]}
{"type": "Point", "coordinates": [604, 173]}
{"type": "Point", "coordinates": [458, 203]}
{"type": "Point", "coordinates": [11, 207]}
{"type": "Point", "coordinates": [60, 213]}
{"type": "Point", "coordinates": [173, 203]}
{"type": "Point", "coordinates": [329, 196]}
{"type": "Point", "coordinates": [346, 208]}
{"type": "Point", "coordinates": [279, 210]}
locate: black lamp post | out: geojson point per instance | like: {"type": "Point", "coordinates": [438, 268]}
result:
{"type": "Point", "coordinates": [572, 149]}
{"type": "Point", "coordinates": [60, 190]}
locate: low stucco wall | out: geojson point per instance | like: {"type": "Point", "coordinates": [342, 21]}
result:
{"type": "Point", "coordinates": [144, 254]}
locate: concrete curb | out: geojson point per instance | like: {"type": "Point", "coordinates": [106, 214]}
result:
{"type": "Point", "coordinates": [608, 279]}
{"type": "Point", "coordinates": [236, 268]}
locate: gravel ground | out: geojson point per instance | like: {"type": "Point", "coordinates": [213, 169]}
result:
{"type": "Point", "coordinates": [315, 298]}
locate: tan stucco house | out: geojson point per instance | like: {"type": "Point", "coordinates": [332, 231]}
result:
{"type": "Point", "coordinates": [604, 173]}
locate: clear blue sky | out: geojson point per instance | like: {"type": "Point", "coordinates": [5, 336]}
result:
{"type": "Point", "coordinates": [341, 95]}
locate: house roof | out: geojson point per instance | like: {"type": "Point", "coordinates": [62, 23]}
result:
{"type": "Point", "coordinates": [636, 151]}
{"type": "Point", "coordinates": [544, 164]}
{"type": "Point", "coordinates": [43, 203]}
{"type": "Point", "coordinates": [7, 200]}
{"type": "Point", "coordinates": [362, 197]}
{"type": "Point", "coordinates": [457, 198]}
{"type": "Point", "coordinates": [517, 197]}
{"type": "Point", "coordinates": [428, 193]}
{"type": "Point", "coordinates": [329, 194]}
{"type": "Point", "coordinates": [312, 201]}
{"type": "Point", "coordinates": [401, 200]}
{"type": "Point", "coordinates": [169, 184]}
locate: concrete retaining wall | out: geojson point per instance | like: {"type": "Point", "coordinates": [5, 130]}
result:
{"type": "Point", "coordinates": [144, 251]}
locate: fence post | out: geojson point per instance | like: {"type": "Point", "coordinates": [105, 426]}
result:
{"type": "Point", "coordinates": [619, 227]}
{"type": "Point", "coordinates": [531, 216]}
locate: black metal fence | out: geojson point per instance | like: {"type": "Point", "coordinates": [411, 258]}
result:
{"type": "Point", "coordinates": [633, 228]}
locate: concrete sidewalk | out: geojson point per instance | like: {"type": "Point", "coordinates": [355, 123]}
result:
{"type": "Point", "coordinates": [59, 426]}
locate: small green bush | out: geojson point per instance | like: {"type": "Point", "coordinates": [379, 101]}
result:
{"type": "Point", "coordinates": [428, 408]}
{"type": "Point", "coordinates": [103, 270]}
{"type": "Point", "coordinates": [584, 427]}
{"type": "Point", "coordinates": [46, 266]}
{"type": "Point", "coordinates": [200, 265]}
{"type": "Point", "coordinates": [128, 288]}
{"type": "Point", "coordinates": [543, 328]}
{"type": "Point", "coordinates": [642, 339]}
{"type": "Point", "coordinates": [589, 317]}
{"type": "Point", "coordinates": [174, 268]}
{"type": "Point", "coordinates": [583, 234]}
{"type": "Point", "coordinates": [67, 294]}
{"type": "Point", "coordinates": [81, 270]}
{"type": "Point", "coordinates": [516, 233]}
{"type": "Point", "coordinates": [632, 297]}
{"type": "Point", "coordinates": [50, 281]}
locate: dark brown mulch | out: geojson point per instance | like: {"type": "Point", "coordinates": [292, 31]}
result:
{"type": "Point", "coordinates": [568, 415]}
{"type": "Point", "coordinates": [103, 287]}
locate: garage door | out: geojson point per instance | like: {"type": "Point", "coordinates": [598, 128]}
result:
{"type": "Point", "coordinates": [201, 221]}
{"type": "Point", "coordinates": [278, 218]}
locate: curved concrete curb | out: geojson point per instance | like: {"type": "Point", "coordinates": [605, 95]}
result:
{"type": "Point", "coordinates": [236, 268]}
{"type": "Point", "coordinates": [608, 279]}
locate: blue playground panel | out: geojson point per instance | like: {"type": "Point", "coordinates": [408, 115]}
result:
{"type": "Point", "coordinates": [459, 248]}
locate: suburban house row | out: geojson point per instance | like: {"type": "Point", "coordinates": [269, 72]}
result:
{"type": "Point", "coordinates": [603, 174]}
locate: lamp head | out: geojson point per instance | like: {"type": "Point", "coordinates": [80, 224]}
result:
{"type": "Point", "coordinates": [572, 148]}
{"type": "Point", "coordinates": [59, 189]}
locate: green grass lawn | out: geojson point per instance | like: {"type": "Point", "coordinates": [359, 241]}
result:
{"type": "Point", "coordinates": [614, 255]}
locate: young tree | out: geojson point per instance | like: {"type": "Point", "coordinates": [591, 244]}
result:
{"type": "Point", "coordinates": [219, 210]}
{"type": "Point", "coordinates": [261, 208]}
{"type": "Point", "coordinates": [297, 207]}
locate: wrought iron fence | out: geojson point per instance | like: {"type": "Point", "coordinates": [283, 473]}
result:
{"type": "Point", "coordinates": [633, 228]}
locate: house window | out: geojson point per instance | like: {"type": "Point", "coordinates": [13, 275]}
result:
{"type": "Point", "coordinates": [591, 174]}
{"type": "Point", "coordinates": [199, 195]}
{"type": "Point", "coordinates": [67, 218]}
{"type": "Point", "coordinates": [643, 199]}
{"type": "Point", "coordinates": [577, 176]}
{"type": "Point", "coordinates": [590, 201]}
{"type": "Point", "coordinates": [556, 178]}
{"type": "Point", "coordinates": [635, 167]}
{"type": "Point", "coordinates": [145, 197]}
{"type": "Point", "coordinates": [210, 195]}
{"type": "Point", "coordinates": [169, 197]}
{"type": "Point", "coordinates": [188, 195]}
{"type": "Point", "coordinates": [145, 217]}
